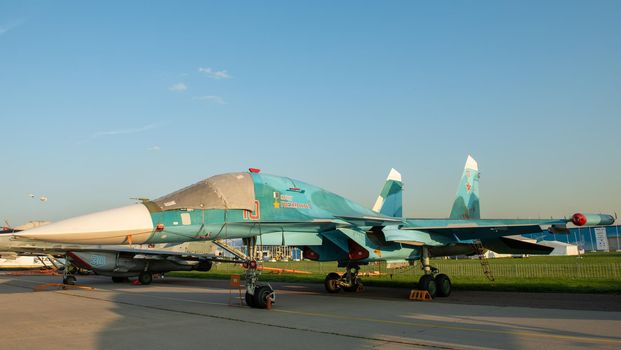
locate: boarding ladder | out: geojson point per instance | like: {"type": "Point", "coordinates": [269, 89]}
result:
{"type": "Point", "coordinates": [229, 248]}
{"type": "Point", "coordinates": [480, 251]}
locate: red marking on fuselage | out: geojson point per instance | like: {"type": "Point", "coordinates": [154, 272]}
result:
{"type": "Point", "coordinates": [255, 214]}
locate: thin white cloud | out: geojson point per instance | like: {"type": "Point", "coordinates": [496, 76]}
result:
{"type": "Point", "coordinates": [125, 131]}
{"type": "Point", "coordinates": [211, 98]}
{"type": "Point", "coordinates": [4, 28]}
{"type": "Point", "coordinates": [215, 74]}
{"type": "Point", "coordinates": [100, 134]}
{"type": "Point", "coordinates": [155, 148]}
{"type": "Point", "coordinates": [179, 87]}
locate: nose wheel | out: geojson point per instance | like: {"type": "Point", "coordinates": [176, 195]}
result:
{"type": "Point", "coordinates": [68, 272]}
{"type": "Point", "coordinates": [69, 280]}
{"type": "Point", "coordinates": [258, 295]}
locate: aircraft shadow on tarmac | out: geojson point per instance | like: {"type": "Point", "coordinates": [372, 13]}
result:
{"type": "Point", "coordinates": [186, 313]}
{"type": "Point", "coordinates": [197, 312]}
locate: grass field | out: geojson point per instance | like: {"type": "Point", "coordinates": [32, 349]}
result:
{"type": "Point", "coordinates": [591, 273]}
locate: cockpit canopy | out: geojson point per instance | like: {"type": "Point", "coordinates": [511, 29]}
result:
{"type": "Point", "coordinates": [226, 191]}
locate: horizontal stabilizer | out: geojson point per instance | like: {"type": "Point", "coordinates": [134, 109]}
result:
{"type": "Point", "coordinates": [509, 245]}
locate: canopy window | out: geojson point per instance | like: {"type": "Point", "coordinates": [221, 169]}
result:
{"type": "Point", "coordinates": [226, 191]}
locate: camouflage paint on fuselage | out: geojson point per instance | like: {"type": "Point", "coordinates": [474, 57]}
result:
{"type": "Point", "coordinates": [282, 204]}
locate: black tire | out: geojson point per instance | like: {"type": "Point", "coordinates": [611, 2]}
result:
{"type": "Point", "coordinates": [117, 279]}
{"type": "Point", "coordinates": [443, 284]}
{"type": "Point", "coordinates": [260, 296]}
{"type": "Point", "coordinates": [249, 299]}
{"type": "Point", "coordinates": [331, 282]}
{"type": "Point", "coordinates": [354, 287]}
{"type": "Point", "coordinates": [426, 282]}
{"type": "Point", "coordinates": [69, 280]}
{"type": "Point", "coordinates": [351, 289]}
{"type": "Point", "coordinates": [145, 278]}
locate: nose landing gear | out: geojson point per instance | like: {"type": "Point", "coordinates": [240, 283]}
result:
{"type": "Point", "coordinates": [258, 295]}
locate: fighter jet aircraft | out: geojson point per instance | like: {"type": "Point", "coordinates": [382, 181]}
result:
{"type": "Point", "coordinates": [271, 209]}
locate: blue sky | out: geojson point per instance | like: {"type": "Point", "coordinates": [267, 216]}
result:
{"type": "Point", "coordinates": [102, 102]}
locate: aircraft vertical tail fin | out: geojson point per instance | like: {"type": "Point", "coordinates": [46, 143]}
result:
{"type": "Point", "coordinates": [390, 200]}
{"type": "Point", "coordinates": [466, 204]}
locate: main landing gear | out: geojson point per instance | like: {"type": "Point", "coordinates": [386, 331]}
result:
{"type": "Point", "coordinates": [437, 284]}
{"type": "Point", "coordinates": [349, 282]}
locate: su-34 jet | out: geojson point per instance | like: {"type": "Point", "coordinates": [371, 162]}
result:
{"type": "Point", "coordinates": [327, 227]}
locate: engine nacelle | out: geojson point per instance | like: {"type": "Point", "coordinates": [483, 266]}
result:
{"type": "Point", "coordinates": [308, 253]}
{"type": "Point", "coordinates": [356, 251]}
{"type": "Point", "coordinates": [204, 266]}
{"type": "Point", "coordinates": [579, 219]}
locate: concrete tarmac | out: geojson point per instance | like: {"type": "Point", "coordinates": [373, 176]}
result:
{"type": "Point", "coordinates": [178, 313]}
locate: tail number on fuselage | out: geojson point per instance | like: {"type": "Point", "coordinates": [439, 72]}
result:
{"type": "Point", "coordinates": [255, 214]}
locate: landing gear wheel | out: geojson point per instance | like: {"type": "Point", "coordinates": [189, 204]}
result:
{"type": "Point", "coordinates": [443, 285]}
{"type": "Point", "coordinates": [260, 296]}
{"type": "Point", "coordinates": [332, 282]}
{"type": "Point", "coordinates": [249, 299]}
{"type": "Point", "coordinates": [119, 279]}
{"type": "Point", "coordinates": [355, 287]}
{"type": "Point", "coordinates": [145, 278]}
{"type": "Point", "coordinates": [426, 282]}
{"type": "Point", "coordinates": [70, 280]}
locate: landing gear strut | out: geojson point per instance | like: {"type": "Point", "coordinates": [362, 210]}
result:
{"type": "Point", "coordinates": [437, 284]}
{"type": "Point", "coordinates": [68, 277]}
{"type": "Point", "coordinates": [349, 282]}
{"type": "Point", "coordinates": [258, 295]}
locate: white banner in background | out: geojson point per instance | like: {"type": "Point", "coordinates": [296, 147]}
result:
{"type": "Point", "coordinates": [601, 239]}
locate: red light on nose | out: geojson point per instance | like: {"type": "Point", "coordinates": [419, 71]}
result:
{"type": "Point", "coordinates": [159, 227]}
{"type": "Point", "coordinates": [254, 170]}
{"type": "Point", "coordinates": [253, 264]}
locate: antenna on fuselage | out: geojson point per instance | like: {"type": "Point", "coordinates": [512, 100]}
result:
{"type": "Point", "coordinates": [141, 199]}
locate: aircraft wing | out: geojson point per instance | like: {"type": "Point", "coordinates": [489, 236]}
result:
{"type": "Point", "coordinates": [488, 228]}
{"type": "Point", "coordinates": [480, 232]}
{"type": "Point", "coordinates": [370, 220]}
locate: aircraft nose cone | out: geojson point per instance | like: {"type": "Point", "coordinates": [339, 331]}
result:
{"type": "Point", "coordinates": [130, 224]}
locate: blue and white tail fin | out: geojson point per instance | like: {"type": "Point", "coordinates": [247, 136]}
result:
{"type": "Point", "coordinates": [390, 200]}
{"type": "Point", "coordinates": [466, 205]}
